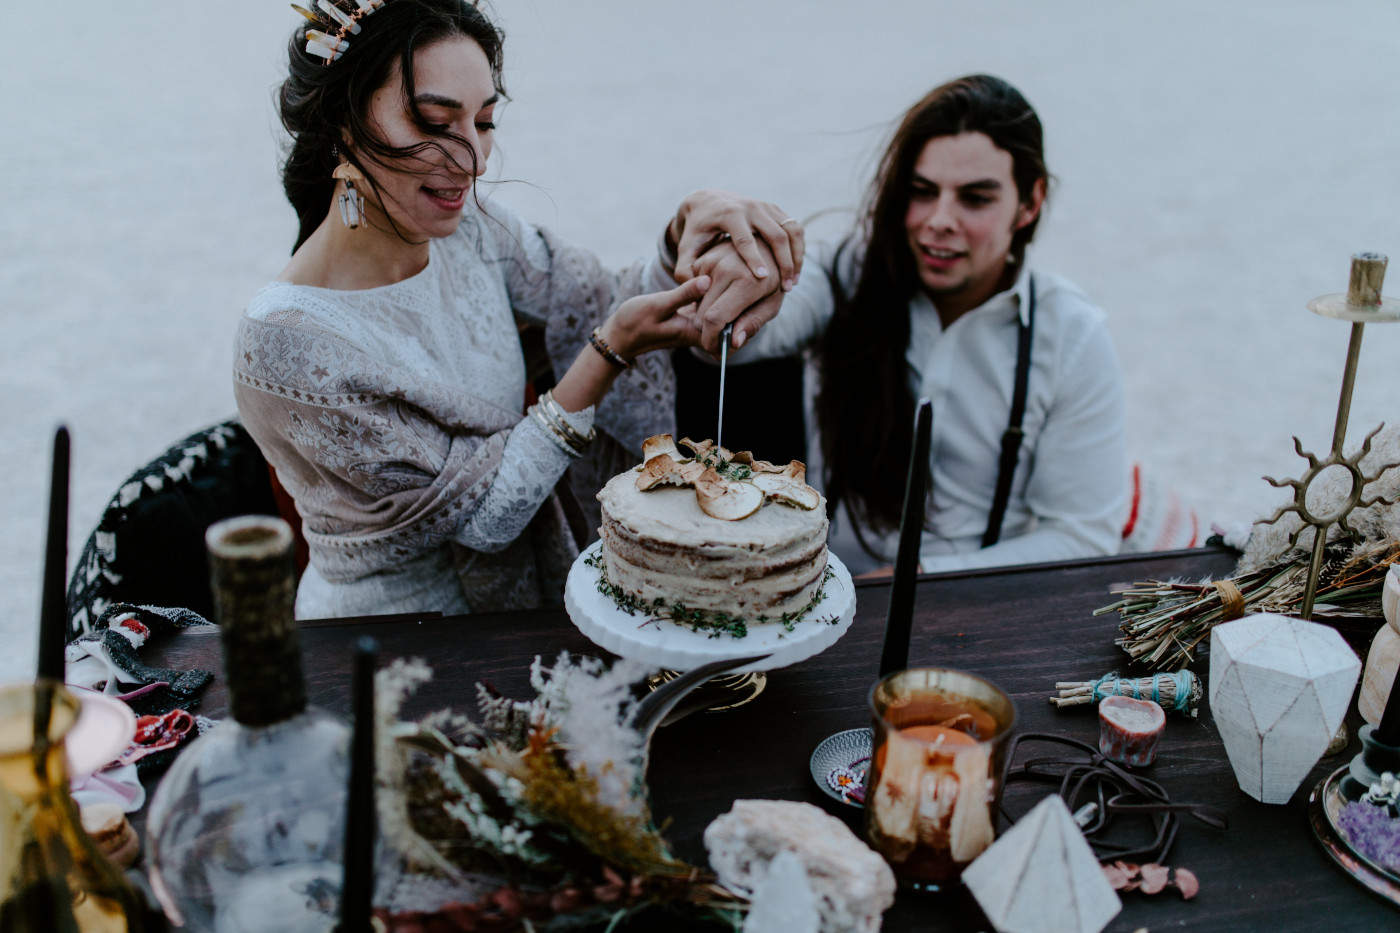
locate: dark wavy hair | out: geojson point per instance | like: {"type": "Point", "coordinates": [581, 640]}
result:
{"type": "Point", "coordinates": [864, 407]}
{"type": "Point", "coordinates": [325, 106]}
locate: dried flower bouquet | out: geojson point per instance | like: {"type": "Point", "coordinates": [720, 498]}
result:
{"type": "Point", "coordinates": [534, 818]}
{"type": "Point", "coordinates": [1163, 623]}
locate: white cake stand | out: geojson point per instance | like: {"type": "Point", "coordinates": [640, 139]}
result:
{"type": "Point", "coordinates": [680, 648]}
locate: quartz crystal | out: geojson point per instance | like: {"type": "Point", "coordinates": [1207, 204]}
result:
{"type": "Point", "coordinates": [784, 903]}
{"type": "Point", "coordinates": [851, 885]}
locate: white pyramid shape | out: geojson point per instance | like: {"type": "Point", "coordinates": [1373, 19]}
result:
{"type": "Point", "coordinates": [1042, 877]}
{"type": "Point", "coordinates": [1279, 689]}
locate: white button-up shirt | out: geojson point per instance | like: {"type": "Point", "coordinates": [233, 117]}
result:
{"type": "Point", "coordinates": [1069, 495]}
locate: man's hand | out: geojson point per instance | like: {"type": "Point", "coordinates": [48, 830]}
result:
{"type": "Point", "coordinates": [708, 217]}
{"type": "Point", "coordinates": [735, 294]}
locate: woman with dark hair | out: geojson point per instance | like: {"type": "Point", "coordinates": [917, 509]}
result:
{"type": "Point", "coordinates": [931, 297]}
{"type": "Point", "coordinates": [384, 374]}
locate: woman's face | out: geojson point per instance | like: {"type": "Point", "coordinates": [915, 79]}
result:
{"type": "Point", "coordinates": [454, 91]}
{"type": "Point", "coordinates": [963, 210]}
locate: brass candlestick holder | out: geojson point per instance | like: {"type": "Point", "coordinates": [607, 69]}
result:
{"type": "Point", "coordinates": [1362, 304]}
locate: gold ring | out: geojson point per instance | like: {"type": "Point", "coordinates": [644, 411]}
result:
{"type": "Point", "coordinates": [790, 220]}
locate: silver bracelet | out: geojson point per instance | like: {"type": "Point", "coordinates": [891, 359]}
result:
{"type": "Point", "coordinates": [554, 434]}
{"type": "Point", "coordinates": [556, 414]}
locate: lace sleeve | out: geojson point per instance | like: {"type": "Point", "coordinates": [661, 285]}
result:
{"type": "Point", "coordinates": [564, 289]}
{"type": "Point", "coordinates": [531, 465]}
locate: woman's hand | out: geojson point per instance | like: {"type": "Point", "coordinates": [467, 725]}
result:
{"type": "Point", "coordinates": [658, 321]}
{"type": "Point", "coordinates": [734, 294]}
{"type": "Point", "coordinates": [639, 325]}
{"type": "Point", "coordinates": [706, 217]}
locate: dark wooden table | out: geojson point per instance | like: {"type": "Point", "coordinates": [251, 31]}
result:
{"type": "Point", "coordinates": [1024, 628]}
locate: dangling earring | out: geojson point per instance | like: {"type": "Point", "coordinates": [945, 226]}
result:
{"type": "Point", "coordinates": [352, 203]}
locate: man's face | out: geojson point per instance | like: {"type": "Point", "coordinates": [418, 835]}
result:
{"type": "Point", "coordinates": [963, 210]}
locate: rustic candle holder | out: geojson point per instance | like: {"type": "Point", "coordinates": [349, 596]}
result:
{"type": "Point", "coordinates": [1362, 304]}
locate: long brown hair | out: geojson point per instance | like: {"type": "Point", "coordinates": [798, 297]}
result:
{"type": "Point", "coordinates": [865, 407]}
{"type": "Point", "coordinates": [324, 105]}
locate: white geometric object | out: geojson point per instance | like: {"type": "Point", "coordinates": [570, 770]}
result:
{"type": "Point", "coordinates": [1042, 877]}
{"type": "Point", "coordinates": [1279, 689]}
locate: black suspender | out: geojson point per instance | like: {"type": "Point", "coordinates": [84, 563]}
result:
{"type": "Point", "coordinates": [1011, 440]}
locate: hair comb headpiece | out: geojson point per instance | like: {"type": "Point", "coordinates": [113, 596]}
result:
{"type": "Point", "coordinates": [331, 46]}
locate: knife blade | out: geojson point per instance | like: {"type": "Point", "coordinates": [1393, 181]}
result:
{"type": "Point", "coordinates": [724, 337]}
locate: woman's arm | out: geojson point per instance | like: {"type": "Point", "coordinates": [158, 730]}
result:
{"type": "Point", "coordinates": [531, 465]}
{"type": "Point", "coordinates": [640, 325]}
{"type": "Point", "coordinates": [383, 463]}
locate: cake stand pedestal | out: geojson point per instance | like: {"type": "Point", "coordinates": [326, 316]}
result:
{"type": "Point", "coordinates": [727, 691]}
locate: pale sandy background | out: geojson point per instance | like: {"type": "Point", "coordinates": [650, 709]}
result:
{"type": "Point", "coordinates": [1218, 163]}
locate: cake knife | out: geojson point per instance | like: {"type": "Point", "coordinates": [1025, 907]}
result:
{"type": "Point", "coordinates": [724, 337]}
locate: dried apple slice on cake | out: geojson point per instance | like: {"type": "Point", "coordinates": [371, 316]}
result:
{"type": "Point", "coordinates": [663, 470]}
{"type": "Point", "coordinates": [727, 500]}
{"type": "Point", "coordinates": [660, 444]}
{"type": "Point", "coordinates": [785, 489]}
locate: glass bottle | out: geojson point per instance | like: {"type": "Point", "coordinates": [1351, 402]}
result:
{"type": "Point", "coordinates": [51, 873]}
{"type": "Point", "coordinates": [246, 831]}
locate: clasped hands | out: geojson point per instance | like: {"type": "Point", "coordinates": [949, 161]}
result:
{"type": "Point", "coordinates": [735, 258]}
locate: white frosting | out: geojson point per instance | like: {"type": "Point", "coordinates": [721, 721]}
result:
{"type": "Point", "coordinates": [660, 544]}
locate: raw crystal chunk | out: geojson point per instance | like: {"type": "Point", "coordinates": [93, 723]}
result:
{"type": "Point", "coordinates": [851, 883]}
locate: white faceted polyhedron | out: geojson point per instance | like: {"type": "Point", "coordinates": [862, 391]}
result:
{"type": "Point", "coordinates": [1042, 877]}
{"type": "Point", "coordinates": [1279, 689]}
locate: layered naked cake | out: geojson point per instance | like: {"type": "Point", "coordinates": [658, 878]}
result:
{"type": "Point", "coordinates": [716, 533]}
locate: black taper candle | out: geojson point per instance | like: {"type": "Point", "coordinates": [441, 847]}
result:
{"type": "Point", "coordinates": [53, 611]}
{"type": "Point", "coordinates": [1388, 731]}
{"type": "Point", "coordinates": [898, 620]}
{"type": "Point", "coordinates": [357, 889]}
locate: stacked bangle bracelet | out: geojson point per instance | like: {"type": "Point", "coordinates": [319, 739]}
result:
{"type": "Point", "coordinates": [551, 417]}
{"type": "Point", "coordinates": [608, 353]}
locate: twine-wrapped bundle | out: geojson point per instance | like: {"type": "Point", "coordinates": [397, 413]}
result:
{"type": "Point", "coordinates": [1176, 693]}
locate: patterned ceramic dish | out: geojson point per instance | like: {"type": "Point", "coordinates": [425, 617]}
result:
{"type": "Point", "coordinates": [839, 765]}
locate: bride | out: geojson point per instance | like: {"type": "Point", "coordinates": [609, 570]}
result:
{"type": "Point", "coordinates": [395, 373]}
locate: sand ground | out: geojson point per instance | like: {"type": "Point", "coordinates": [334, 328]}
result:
{"type": "Point", "coordinates": [1217, 165]}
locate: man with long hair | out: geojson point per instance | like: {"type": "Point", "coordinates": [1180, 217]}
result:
{"type": "Point", "coordinates": [931, 297]}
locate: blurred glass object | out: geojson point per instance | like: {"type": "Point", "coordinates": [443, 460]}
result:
{"type": "Point", "coordinates": [246, 832]}
{"type": "Point", "coordinates": [54, 877]}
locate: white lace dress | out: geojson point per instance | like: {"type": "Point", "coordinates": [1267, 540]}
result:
{"type": "Point", "coordinates": [410, 464]}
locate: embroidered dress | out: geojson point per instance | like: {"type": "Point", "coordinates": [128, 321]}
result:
{"type": "Point", "coordinates": [394, 417]}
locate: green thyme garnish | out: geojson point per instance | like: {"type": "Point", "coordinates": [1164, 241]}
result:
{"type": "Point", "coordinates": [727, 468]}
